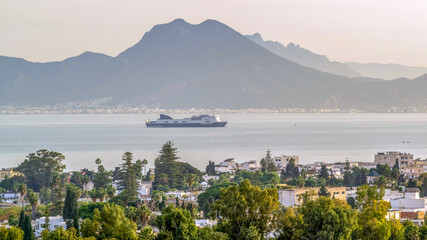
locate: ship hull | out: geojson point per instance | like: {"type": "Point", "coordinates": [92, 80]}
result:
{"type": "Point", "coordinates": [185, 125]}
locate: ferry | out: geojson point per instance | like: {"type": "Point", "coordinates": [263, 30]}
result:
{"type": "Point", "coordinates": [194, 121]}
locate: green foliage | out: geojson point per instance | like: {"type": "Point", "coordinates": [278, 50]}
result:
{"type": "Point", "coordinates": [411, 231]}
{"type": "Point", "coordinates": [177, 222]}
{"type": "Point", "coordinates": [258, 178]}
{"type": "Point", "coordinates": [169, 171]}
{"type": "Point", "coordinates": [359, 176]}
{"type": "Point", "coordinates": [13, 220]}
{"type": "Point", "coordinates": [109, 223]}
{"type": "Point", "coordinates": [267, 163]}
{"type": "Point", "coordinates": [61, 234]}
{"type": "Point", "coordinates": [211, 194]}
{"type": "Point", "coordinates": [40, 167]}
{"type": "Point", "coordinates": [289, 226]}
{"type": "Point", "coordinates": [244, 206]}
{"type": "Point", "coordinates": [103, 177]}
{"type": "Point", "coordinates": [128, 178]}
{"type": "Point", "coordinates": [366, 196]}
{"type": "Point", "coordinates": [423, 231]}
{"type": "Point", "coordinates": [45, 195]}
{"type": "Point", "coordinates": [324, 192]}
{"type": "Point", "coordinates": [290, 169]}
{"type": "Point", "coordinates": [326, 218]}
{"type": "Point", "coordinates": [323, 173]}
{"type": "Point", "coordinates": [146, 234]}
{"type": "Point", "coordinates": [396, 230]}
{"type": "Point", "coordinates": [28, 231]}
{"type": "Point", "coordinates": [87, 210]}
{"type": "Point", "coordinates": [70, 205]}
{"type": "Point", "coordinates": [13, 233]}
{"type": "Point", "coordinates": [210, 169]}
{"type": "Point", "coordinates": [208, 233]}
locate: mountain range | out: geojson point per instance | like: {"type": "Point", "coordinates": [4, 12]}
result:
{"type": "Point", "coordinates": [208, 65]}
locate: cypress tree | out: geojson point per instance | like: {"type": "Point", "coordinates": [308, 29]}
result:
{"type": "Point", "coordinates": [21, 219]}
{"type": "Point", "coordinates": [28, 230]}
{"type": "Point", "coordinates": [70, 205]}
{"type": "Point", "coordinates": [76, 222]}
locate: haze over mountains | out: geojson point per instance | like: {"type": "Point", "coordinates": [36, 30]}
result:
{"type": "Point", "coordinates": [208, 65]}
{"type": "Point", "coordinates": [307, 58]}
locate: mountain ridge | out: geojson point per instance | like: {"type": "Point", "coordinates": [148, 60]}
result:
{"type": "Point", "coordinates": [206, 65]}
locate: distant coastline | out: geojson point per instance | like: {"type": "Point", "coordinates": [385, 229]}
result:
{"type": "Point", "coordinates": [124, 109]}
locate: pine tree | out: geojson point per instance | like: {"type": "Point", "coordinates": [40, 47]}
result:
{"type": "Point", "coordinates": [323, 172]}
{"type": "Point", "coordinates": [324, 192]}
{"type": "Point", "coordinates": [166, 165]}
{"type": "Point", "coordinates": [128, 178]}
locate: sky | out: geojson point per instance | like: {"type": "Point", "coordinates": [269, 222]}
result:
{"type": "Point", "coordinates": [382, 31]}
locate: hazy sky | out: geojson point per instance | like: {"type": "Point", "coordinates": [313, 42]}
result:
{"type": "Point", "coordinates": [384, 31]}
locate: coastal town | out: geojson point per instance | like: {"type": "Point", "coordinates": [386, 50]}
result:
{"type": "Point", "coordinates": [147, 198]}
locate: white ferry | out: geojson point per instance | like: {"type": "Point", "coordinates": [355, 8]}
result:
{"type": "Point", "coordinates": [194, 121]}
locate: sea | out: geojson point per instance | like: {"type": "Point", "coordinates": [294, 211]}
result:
{"type": "Point", "coordinates": [326, 137]}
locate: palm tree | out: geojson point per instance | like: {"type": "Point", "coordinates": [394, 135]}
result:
{"type": "Point", "coordinates": [100, 192]}
{"type": "Point", "coordinates": [190, 179]}
{"type": "Point", "coordinates": [111, 191]}
{"type": "Point", "coordinates": [93, 195]}
{"type": "Point", "coordinates": [98, 161]}
{"type": "Point", "coordinates": [143, 214]}
{"type": "Point", "coordinates": [22, 189]}
{"type": "Point", "coordinates": [33, 198]}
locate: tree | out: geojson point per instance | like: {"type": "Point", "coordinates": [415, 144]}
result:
{"type": "Point", "coordinates": [210, 169]}
{"type": "Point", "coordinates": [109, 223]}
{"type": "Point", "coordinates": [347, 181]}
{"type": "Point", "coordinates": [375, 226]}
{"type": "Point", "coordinates": [323, 173]}
{"type": "Point", "coordinates": [128, 180]}
{"type": "Point", "coordinates": [244, 206]}
{"type": "Point", "coordinates": [411, 231]}
{"type": "Point", "coordinates": [13, 220]}
{"type": "Point", "coordinates": [57, 195]}
{"type": "Point", "coordinates": [396, 230]}
{"type": "Point", "coordinates": [381, 181]}
{"type": "Point", "coordinates": [360, 176]}
{"type": "Point", "coordinates": [45, 195]}
{"type": "Point", "coordinates": [13, 233]}
{"type": "Point", "coordinates": [208, 197]}
{"type": "Point", "coordinates": [366, 196]}
{"type": "Point", "coordinates": [143, 214]}
{"type": "Point", "coordinates": [177, 222]}
{"type": "Point", "coordinates": [21, 219]}
{"type": "Point", "coordinates": [70, 206]}
{"type": "Point", "coordinates": [170, 172]}
{"type": "Point", "coordinates": [208, 233]}
{"type": "Point", "coordinates": [33, 198]}
{"type": "Point", "coordinates": [324, 192]}
{"type": "Point", "coordinates": [289, 226]}
{"type": "Point", "coordinates": [190, 179]}
{"type": "Point", "coordinates": [103, 177]}
{"type": "Point", "coordinates": [290, 168]}
{"type": "Point", "coordinates": [267, 164]}
{"type": "Point", "coordinates": [326, 218]}
{"type": "Point", "coordinates": [28, 231]}
{"type": "Point", "coordinates": [22, 189]}
{"type": "Point", "coordinates": [423, 231]}
{"type": "Point", "coordinates": [40, 167]}
{"type": "Point", "coordinates": [110, 190]}
{"type": "Point", "coordinates": [61, 233]}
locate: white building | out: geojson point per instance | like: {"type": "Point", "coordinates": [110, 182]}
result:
{"type": "Point", "coordinates": [411, 207]}
{"type": "Point", "coordinates": [55, 223]}
{"type": "Point", "coordinates": [249, 165]}
{"type": "Point", "coordinates": [282, 161]}
{"type": "Point", "coordinates": [227, 166]}
{"type": "Point", "coordinates": [204, 223]}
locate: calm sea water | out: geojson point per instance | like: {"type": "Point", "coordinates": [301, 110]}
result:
{"type": "Point", "coordinates": [313, 137]}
